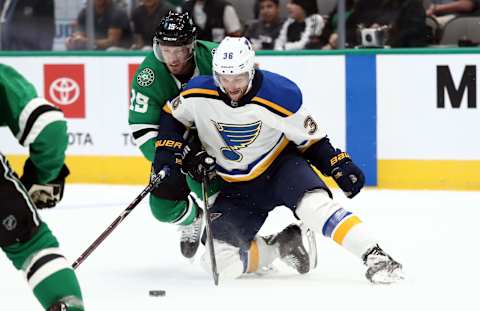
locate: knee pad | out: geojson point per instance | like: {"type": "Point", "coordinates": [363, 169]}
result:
{"type": "Point", "coordinates": [319, 212]}
{"type": "Point", "coordinates": [229, 262]}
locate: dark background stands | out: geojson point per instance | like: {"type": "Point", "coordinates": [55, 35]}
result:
{"type": "Point", "coordinates": [264, 30]}
{"type": "Point", "coordinates": [406, 19]}
{"type": "Point", "coordinates": [214, 19]}
{"type": "Point", "coordinates": [29, 25]}
{"type": "Point", "coordinates": [112, 28]}
{"type": "Point", "coordinates": [145, 19]}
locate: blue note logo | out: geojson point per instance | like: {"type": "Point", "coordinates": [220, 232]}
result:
{"type": "Point", "coordinates": [236, 137]}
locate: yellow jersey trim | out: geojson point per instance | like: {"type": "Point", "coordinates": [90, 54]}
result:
{"type": "Point", "coordinates": [167, 109]}
{"type": "Point", "coordinates": [199, 91]}
{"type": "Point", "coordinates": [273, 106]}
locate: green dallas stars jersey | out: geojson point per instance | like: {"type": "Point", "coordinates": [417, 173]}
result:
{"type": "Point", "coordinates": [36, 124]}
{"type": "Point", "coordinates": [152, 86]}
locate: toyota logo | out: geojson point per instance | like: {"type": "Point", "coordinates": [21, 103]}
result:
{"type": "Point", "coordinates": [64, 91]}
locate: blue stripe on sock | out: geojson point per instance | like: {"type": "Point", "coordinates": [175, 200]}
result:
{"type": "Point", "coordinates": [333, 221]}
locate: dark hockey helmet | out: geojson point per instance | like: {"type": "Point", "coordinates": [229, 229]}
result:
{"type": "Point", "coordinates": [175, 29]}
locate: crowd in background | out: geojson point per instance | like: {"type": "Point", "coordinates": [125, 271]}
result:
{"type": "Point", "coordinates": [277, 24]}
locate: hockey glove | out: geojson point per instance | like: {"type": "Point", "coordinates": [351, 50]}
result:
{"type": "Point", "coordinates": [169, 154]}
{"type": "Point", "coordinates": [196, 165]}
{"type": "Point", "coordinates": [43, 195]}
{"type": "Point", "coordinates": [346, 174]}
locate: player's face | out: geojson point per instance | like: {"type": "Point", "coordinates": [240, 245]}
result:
{"type": "Point", "coordinates": [176, 58]}
{"type": "Point", "coordinates": [235, 86]}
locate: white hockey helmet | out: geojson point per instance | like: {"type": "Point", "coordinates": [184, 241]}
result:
{"type": "Point", "coordinates": [234, 56]}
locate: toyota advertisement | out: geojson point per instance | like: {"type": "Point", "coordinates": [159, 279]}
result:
{"type": "Point", "coordinates": [64, 86]}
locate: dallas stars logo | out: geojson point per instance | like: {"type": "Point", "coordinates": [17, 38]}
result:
{"type": "Point", "coordinates": [145, 77]}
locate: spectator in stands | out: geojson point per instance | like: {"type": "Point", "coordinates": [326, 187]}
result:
{"type": "Point", "coordinates": [145, 19]}
{"type": "Point", "coordinates": [445, 10]}
{"type": "Point", "coordinates": [112, 28]}
{"type": "Point", "coordinates": [328, 39]}
{"type": "Point", "coordinates": [263, 31]}
{"type": "Point", "coordinates": [214, 19]}
{"type": "Point", "coordinates": [303, 27]}
{"type": "Point", "coordinates": [404, 19]}
{"type": "Point", "coordinates": [27, 24]}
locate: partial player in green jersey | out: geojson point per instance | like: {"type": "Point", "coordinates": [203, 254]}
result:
{"type": "Point", "coordinates": [175, 59]}
{"type": "Point", "coordinates": [24, 237]}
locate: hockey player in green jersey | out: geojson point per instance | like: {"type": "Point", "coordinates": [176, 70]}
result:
{"type": "Point", "coordinates": [24, 237]}
{"type": "Point", "coordinates": [175, 59]}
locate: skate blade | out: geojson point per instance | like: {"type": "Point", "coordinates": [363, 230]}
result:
{"type": "Point", "coordinates": [311, 244]}
{"type": "Point", "coordinates": [385, 277]}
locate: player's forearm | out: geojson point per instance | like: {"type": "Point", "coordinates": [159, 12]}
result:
{"type": "Point", "coordinates": [454, 7]}
{"type": "Point", "coordinates": [49, 157]}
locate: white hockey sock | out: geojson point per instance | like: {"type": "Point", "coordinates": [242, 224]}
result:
{"type": "Point", "coordinates": [325, 216]}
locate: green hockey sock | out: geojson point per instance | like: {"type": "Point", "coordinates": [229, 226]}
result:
{"type": "Point", "coordinates": [61, 285]}
{"type": "Point", "coordinates": [47, 271]}
{"type": "Point", "coordinates": [181, 212]}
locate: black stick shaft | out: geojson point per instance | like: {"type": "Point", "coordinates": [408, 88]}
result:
{"type": "Point", "coordinates": [157, 179]}
{"type": "Point", "coordinates": [208, 226]}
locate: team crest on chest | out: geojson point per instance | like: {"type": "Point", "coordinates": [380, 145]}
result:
{"type": "Point", "coordinates": [236, 137]}
{"type": "Point", "coordinates": [145, 77]}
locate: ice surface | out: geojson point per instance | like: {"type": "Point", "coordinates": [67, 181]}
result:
{"type": "Point", "coordinates": [433, 234]}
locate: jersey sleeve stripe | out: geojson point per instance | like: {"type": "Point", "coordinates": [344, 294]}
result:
{"type": "Point", "coordinates": [198, 92]}
{"type": "Point", "coordinates": [137, 134]}
{"type": "Point", "coordinates": [38, 119]}
{"type": "Point", "coordinates": [143, 132]}
{"type": "Point", "coordinates": [167, 109]}
{"type": "Point", "coordinates": [271, 106]}
{"type": "Point", "coordinates": [35, 116]}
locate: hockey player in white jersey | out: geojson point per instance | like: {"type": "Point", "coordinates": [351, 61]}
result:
{"type": "Point", "coordinates": [264, 141]}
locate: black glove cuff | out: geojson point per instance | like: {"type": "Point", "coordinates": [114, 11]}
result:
{"type": "Point", "coordinates": [325, 157]}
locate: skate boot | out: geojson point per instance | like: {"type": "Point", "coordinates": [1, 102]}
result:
{"type": "Point", "coordinates": [291, 248]}
{"type": "Point", "coordinates": [382, 269]}
{"type": "Point", "coordinates": [190, 236]}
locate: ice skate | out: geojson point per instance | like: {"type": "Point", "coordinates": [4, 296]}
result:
{"type": "Point", "coordinates": [382, 269]}
{"type": "Point", "coordinates": [190, 236]}
{"type": "Point", "coordinates": [291, 248]}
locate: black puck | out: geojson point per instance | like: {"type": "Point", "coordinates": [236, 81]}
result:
{"type": "Point", "coordinates": [157, 293]}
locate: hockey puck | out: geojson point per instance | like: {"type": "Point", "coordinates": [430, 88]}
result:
{"type": "Point", "coordinates": [157, 293]}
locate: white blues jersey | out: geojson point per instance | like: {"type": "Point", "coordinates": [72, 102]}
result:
{"type": "Point", "coordinates": [246, 137]}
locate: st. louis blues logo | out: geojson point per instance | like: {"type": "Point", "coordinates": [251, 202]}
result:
{"type": "Point", "coordinates": [237, 136]}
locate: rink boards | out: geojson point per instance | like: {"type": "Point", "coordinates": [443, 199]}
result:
{"type": "Point", "coordinates": [409, 119]}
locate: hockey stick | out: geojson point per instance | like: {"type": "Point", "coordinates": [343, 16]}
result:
{"type": "Point", "coordinates": [155, 181]}
{"type": "Point", "coordinates": [208, 227]}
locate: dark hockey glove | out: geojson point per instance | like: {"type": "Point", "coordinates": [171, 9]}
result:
{"type": "Point", "coordinates": [346, 174]}
{"type": "Point", "coordinates": [169, 154]}
{"type": "Point", "coordinates": [43, 195]}
{"type": "Point", "coordinates": [196, 165]}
